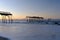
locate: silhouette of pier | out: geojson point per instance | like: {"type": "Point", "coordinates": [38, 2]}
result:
{"type": "Point", "coordinates": [6, 17]}
{"type": "Point", "coordinates": [34, 19]}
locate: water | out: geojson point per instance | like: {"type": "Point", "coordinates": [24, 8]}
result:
{"type": "Point", "coordinates": [30, 31]}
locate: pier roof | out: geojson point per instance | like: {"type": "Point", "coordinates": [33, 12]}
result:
{"type": "Point", "coordinates": [36, 17]}
{"type": "Point", "coordinates": [5, 13]}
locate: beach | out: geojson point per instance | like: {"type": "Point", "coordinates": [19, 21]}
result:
{"type": "Point", "coordinates": [30, 31]}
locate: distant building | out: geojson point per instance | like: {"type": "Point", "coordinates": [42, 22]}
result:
{"type": "Point", "coordinates": [34, 19]}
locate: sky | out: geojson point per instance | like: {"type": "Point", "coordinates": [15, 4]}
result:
{"type": "Point", "coordinates": [22, 8]}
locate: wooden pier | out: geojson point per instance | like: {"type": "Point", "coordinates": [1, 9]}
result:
{"type": "Point", "coordinates": [34, 19]}
{"type": "Point", "coordinates": [6, 17]}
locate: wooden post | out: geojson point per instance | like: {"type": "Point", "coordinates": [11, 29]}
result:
{"type": "Point", "coordinates": [10, 18]}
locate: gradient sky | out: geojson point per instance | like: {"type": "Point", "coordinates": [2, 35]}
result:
{"type": "Point", "coordinates": [22, 8]}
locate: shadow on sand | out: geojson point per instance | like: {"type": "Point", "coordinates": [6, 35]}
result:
{"type": "Point", "coordinates": [4, 38]}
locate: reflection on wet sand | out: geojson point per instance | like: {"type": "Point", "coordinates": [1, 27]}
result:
{"type": "Point", "coordinates": [30, 31]}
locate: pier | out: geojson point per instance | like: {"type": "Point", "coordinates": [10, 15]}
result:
{"type": "Point", "coordinates": [34, 19]}
{"type": "Point", "coordinates": [6, 17]}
